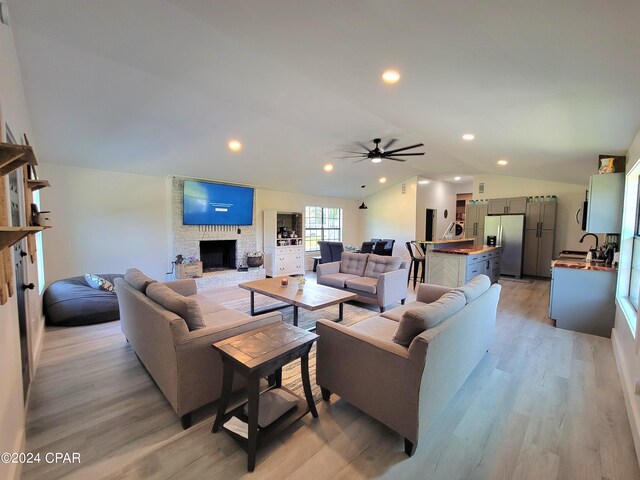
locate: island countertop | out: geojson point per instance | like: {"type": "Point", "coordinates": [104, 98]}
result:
{"type": "Point", "coordinates": [583, 265]}
{"type": "Point", "coordinates": [467, 250]}
{"type": "Point", "coordinates": [446, 241]}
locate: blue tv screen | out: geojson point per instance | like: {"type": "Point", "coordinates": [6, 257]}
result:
{"type": "Point", "coordinates": [217, 204]}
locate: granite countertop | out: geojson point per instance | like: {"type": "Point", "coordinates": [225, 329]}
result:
{"type": "Point", "coordinates": [451, 240]}
{"type": "Point", "coordinates": [470, 250]}
{"type": "Point", "coordinates": [583, 265]}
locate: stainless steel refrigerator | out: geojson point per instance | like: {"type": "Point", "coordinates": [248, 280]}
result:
{"type": "Point", "coordinates": [509, 233]}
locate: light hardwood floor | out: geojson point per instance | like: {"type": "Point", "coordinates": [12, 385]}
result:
{"type": "Point", "coordinates": [544, 403]}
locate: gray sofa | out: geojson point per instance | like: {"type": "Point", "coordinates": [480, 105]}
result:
{"type": "Point", "coordinates": [407, 388]}
{"type": "Point", "coordinates": [175, 348]}
{"type": "Point", "coordinates": [376, 279]}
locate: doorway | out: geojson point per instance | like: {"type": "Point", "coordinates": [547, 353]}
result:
{"type": "Point", "coordinates": [430, 224]}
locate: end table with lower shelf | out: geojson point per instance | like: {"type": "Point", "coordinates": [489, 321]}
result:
{"type": "Point", "coordinates": [257, 354]}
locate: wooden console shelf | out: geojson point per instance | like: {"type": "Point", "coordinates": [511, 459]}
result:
{"type": "Point", "coordinates": [37, 184]}
{"type": "Point", "coordinates": [14, 156]}
{"type": "Point", "coordinates": [12, 235]}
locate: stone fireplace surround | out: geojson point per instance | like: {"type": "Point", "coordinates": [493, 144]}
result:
{"type": "Point", "coordinates": [186, 241]}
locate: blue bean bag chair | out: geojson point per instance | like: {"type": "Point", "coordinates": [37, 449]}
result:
{"type": "Point", "coordinates": [73, 302]}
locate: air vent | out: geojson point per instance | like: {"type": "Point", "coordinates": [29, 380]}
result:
{"type": "Point", "coordinates": [481, 187]}
{"type": "Point", "coordinates": [404, 189]}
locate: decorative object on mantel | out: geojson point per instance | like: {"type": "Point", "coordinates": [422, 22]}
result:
{"type": "Point", "coordinates": [363, 206]}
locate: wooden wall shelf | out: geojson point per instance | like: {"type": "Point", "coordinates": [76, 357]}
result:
{"type": "Point", "coordinates": [14, 156]}
{"type": "Point", "coordinates": [11, 235]}
{"type": "Point", "coordinates": [37, 184]}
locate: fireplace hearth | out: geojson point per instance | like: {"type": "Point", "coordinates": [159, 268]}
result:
{"type": "Point", "coordinates": [218, 255]}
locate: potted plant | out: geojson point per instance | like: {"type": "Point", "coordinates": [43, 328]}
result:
{"type": "Point", "coordinates": [301, 282]}
{"type": "Point", "coordinates": [255, 259]}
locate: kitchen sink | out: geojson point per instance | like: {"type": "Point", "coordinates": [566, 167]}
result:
{"type": "Point", "coordinates": [572, 255]}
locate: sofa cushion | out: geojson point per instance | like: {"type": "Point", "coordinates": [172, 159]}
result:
{"type": "Point", "coordinates": [416, 320]}
{"type": "Point", "coordinates": [185, 307]}
{"type": "Point", "coordinates": [378, 327]}
{"type": "Point", "coordinates": [475, 287]}
{"type": "Point", "coordinates": [378, 264]}
{"type": "Point", "coordinates": [137, 279]}
{"type": "Point", "coordinates": [353, 263]}
{"type": "Point", "coordinates": [99, 283]}
{"type": "Point", "coordinates": [336, 280]}
{"type": "Point", "coordinates": [363, 284]}
{"type": "Point", "coordinates": [396, 313]}
{"type": "Point", "coordinates": [225, 319]}
{"type": "Point", "coordinates": [206, 304]}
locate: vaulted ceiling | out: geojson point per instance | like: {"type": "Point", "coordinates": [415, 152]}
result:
{"type": "Point", "coordinates": [159, 86]}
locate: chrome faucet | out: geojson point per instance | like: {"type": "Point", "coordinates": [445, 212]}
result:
{"type": "Point", "coordinates": [593, 235]}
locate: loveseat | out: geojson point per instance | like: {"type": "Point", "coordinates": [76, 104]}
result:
{"type": "Point", "coordinates": [402, 380]}
{"type": "Point", "coordinates": [376, 279]}
{"type": "Point", "coordinates": [170, 327]}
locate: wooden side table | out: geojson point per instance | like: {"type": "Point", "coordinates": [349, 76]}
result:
{"type": "Point", "coordinates": [255, 355]}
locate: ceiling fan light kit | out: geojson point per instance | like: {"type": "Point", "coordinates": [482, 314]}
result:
{"type": "Point", "coordinates": [377, 154]}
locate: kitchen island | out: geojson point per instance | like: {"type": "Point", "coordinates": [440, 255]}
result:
{"type": "Point", "coordinates": [453, 263]}
{"type": "Point", "coordinates": [582, 296]}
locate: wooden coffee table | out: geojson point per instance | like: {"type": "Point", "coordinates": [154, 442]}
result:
{"type": "Point", "coordinates": [313, 297]}
{"type": "Point", "coordinates": [256, 354]}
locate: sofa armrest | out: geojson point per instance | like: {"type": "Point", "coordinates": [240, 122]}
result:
{"type": "Point", "coordinates": [392, 286]}
{"type": "Point", "coordinates": [328, 268]}
{"type": "Point", "coordinates": [428, 293]}
{"type": "Point", "coordinates": [185, 287]}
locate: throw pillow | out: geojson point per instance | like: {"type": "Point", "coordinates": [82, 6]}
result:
{"type": "Point", "coordinates": [475, 287]}
{"type": "Point", "coordinates": [418, 319]}
{"type": "Point", "coordinates": [185, 307]}
{"type": "Point", "coordinates": [99, 283]}
{"type": "Point", "coordinates": [272, 404]}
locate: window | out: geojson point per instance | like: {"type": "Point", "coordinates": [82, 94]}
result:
{"type": "Point", "coordinates": [321, 223]}
{"type": "Point", "coordinates": [40, 254]}
{"type": "Point", "coordinates": [628, 291]}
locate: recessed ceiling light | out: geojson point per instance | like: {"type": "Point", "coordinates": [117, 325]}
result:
{"type": "Point", "coordinates": [457, 178]}
{"type": "Point", "coordinates": [423, 182]}
{"type": "Point", "coordinates": [235, 145]}
{"type": "Point", "coordinates": [468, 136]}
{"type": "Point", "coordinates": [328, 167]}
{"type": "Point", "coordinates": [503, 162]}
{"type": "Point", "coordinates": [382, 179]}
{"type": "Point", "coordinates": [390, 76]}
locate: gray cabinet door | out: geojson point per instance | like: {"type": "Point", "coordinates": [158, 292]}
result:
{"type": "Point", "coordinates": [545, 253]}
{"type": "Point", "coordinates": [481, 213]}
{"type": "Point", "coordinates": [469, 215]}
{"type": "Point", "coordinates": [497, 206]}
{"type": "Point", "coordinates": [516, 205]}
{"type": "Point", "coordinates": [532, 216]}
{"type": "Point", "coordinates": [548, 216]}
{"type": "Point", "coordinates": [530, 260]}
{"type": "Point", "coordinates": [606, 194]}
{"type": "Point", "coordinates": [480, 240]}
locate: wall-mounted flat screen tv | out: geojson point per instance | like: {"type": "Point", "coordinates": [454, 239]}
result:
{"type": "Point", "coordinates": [217, 204]}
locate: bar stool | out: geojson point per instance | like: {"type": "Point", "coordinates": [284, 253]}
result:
{"type": "Point", "coordinates": [417, 260]}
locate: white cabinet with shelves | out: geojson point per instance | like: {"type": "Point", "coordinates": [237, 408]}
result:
{"type": "Point", "coordinates": [283, 243]}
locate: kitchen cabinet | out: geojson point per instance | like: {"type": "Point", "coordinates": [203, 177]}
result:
{"type": "Point", "coordinates": [506, 206]}
{"type": "Point", "coordinates": [539, 238]}
{"type": "Point", "coordinates": [474, 222]}
{"type": "Point", "coordinates": [283, 256]}
{"type": "Point", "coordinates": [454, 269]}
{"type": "Point", "coordinates": [583, 300]}
{"type": "Point", "coordinates": [606, 195]}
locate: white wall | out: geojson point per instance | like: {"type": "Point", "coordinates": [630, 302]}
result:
{"type": "Point", "coordinates": [440, 196]}
{"type": "Point", "coordinates": [13, 111]}
{"type": "Point", "coordinates": [295, 202]}
{"type": "Point", "coordinates": [570, 198]}
{"type": "Point", "coordinates": [392, 214]}
{"type": "Point", "coordinates": [105, 222]}
{"type": "Point", "coordinates": [625, 346]}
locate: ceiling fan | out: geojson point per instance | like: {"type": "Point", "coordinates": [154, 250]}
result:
{"type": "Point", "coordinates": [377, 154]}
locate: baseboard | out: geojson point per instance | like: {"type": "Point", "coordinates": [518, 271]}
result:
{"type": "Point", "coordinates": [628, 390]}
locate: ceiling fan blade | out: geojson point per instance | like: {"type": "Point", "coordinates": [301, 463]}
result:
{"type": "Point", "coordinates": [361, 160]}
{"type": "Point", "coordinates": [351, 151]}
{"type": "Point", "coordinates": [395, 159]}
{"type": "Point", "coordinates": [354, 156]}
{"type": "Point", "coordinates": [405, 148]}
{"type": "Point", "coordinates": [404, 154]}
{"type": "Point", "coordinates": [361, 145]}
{"type": "Point", "coordinates": [389, 143]}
